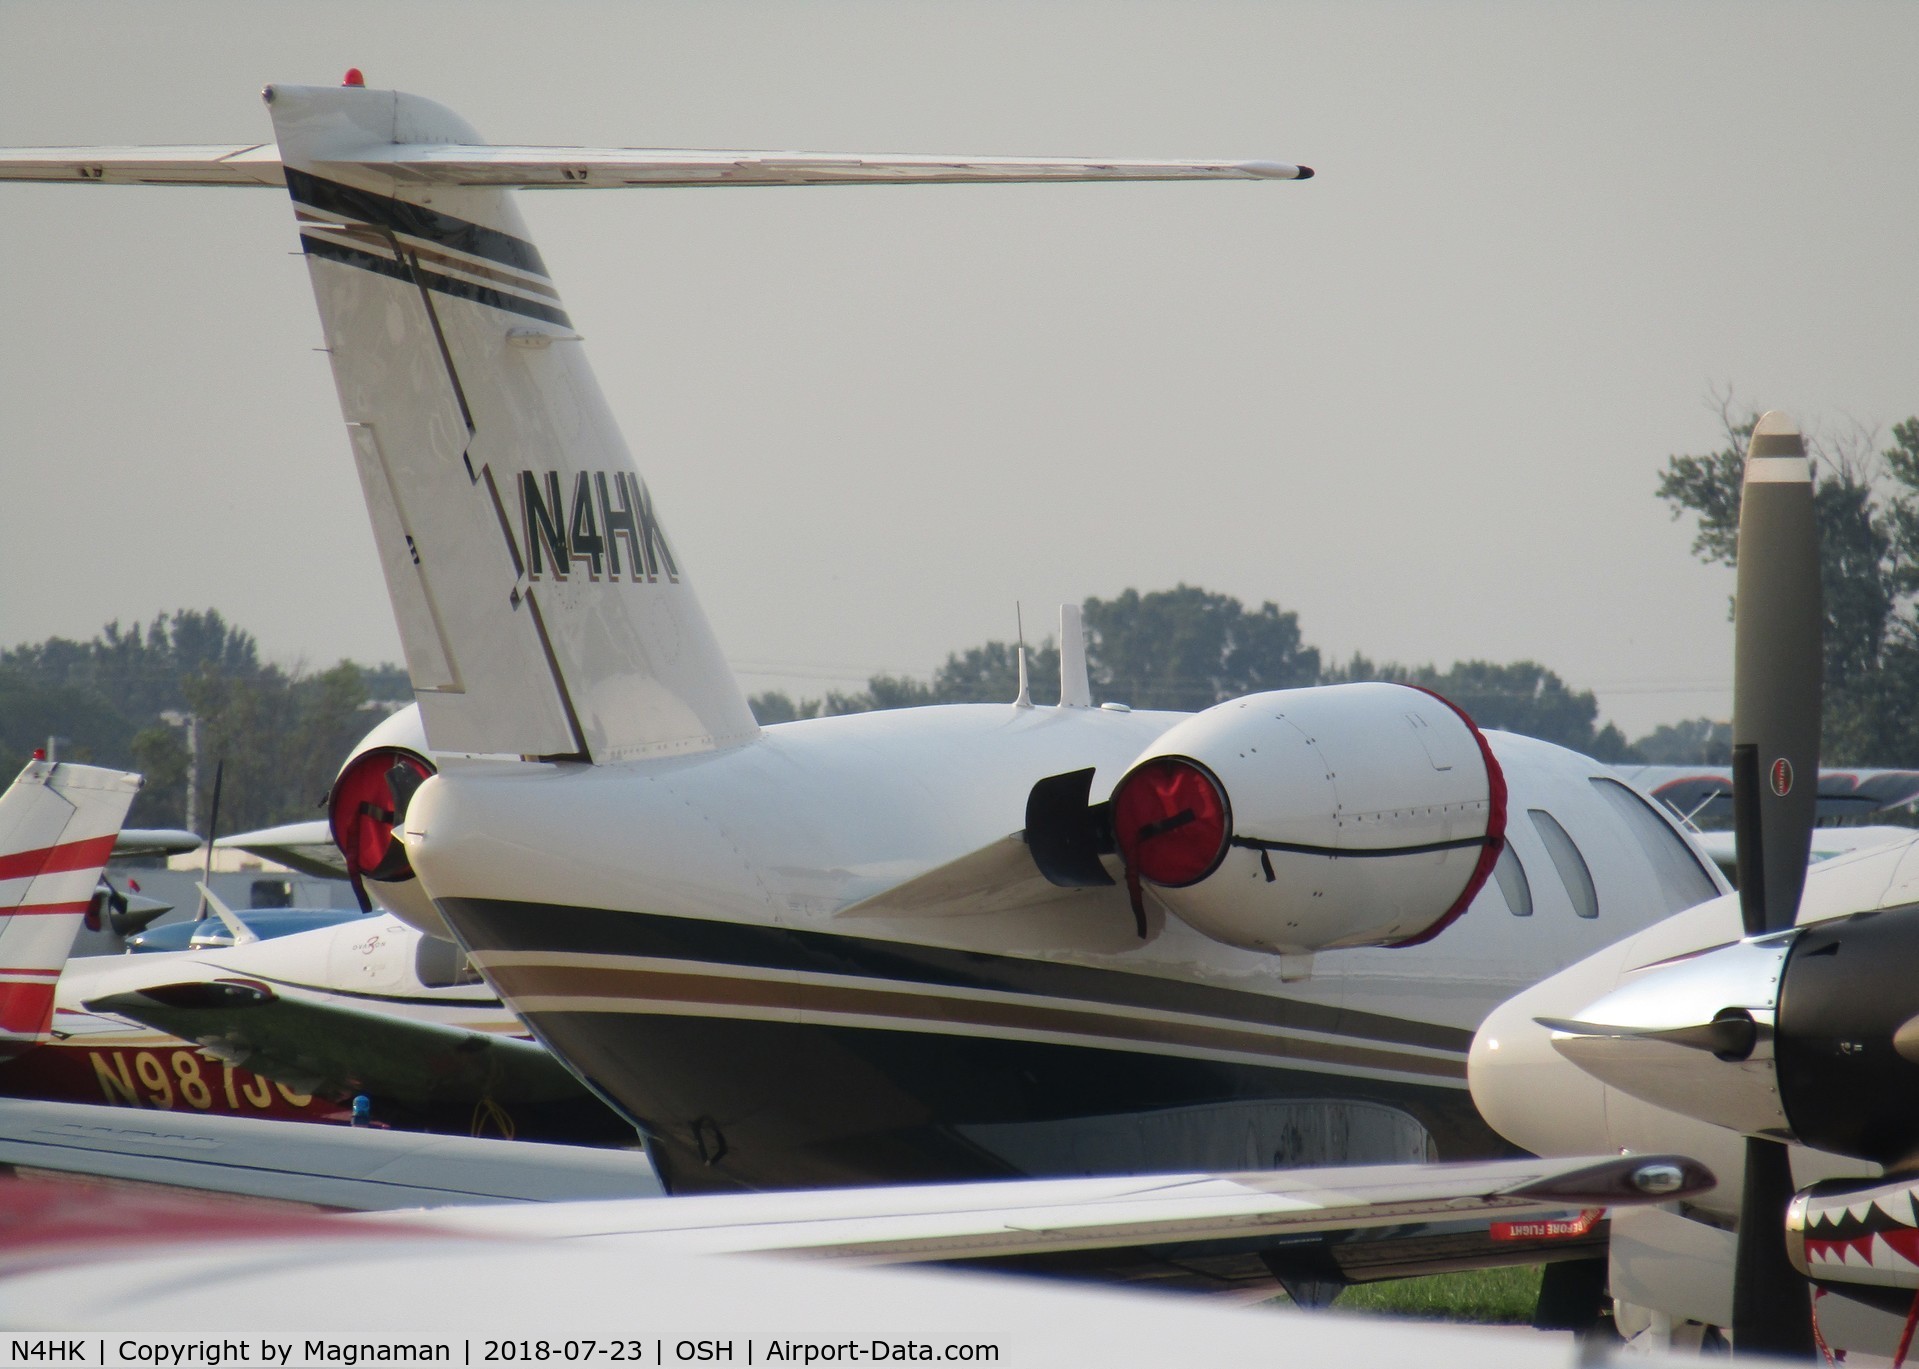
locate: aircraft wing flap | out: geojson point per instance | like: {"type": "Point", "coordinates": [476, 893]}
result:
{"type": "Point", "coordinates": [253, 164]}
{"type": "Point", "coordinates": [329, 1048]}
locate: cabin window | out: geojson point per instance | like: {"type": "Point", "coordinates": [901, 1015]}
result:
{"type": "Point", "coordinates": [1567, 860]}
{"type": "Point", "coordinates": [1513, 883]}
{"type": "Point", "coordinates": [1682, 879]}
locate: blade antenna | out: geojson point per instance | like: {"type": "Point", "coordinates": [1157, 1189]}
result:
{"type": "Point", "coordinates": [1025, 697]}
{"type": "Point", "coordinates": [1075, 684]}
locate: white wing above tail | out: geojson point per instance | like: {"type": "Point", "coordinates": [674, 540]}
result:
{"type": "Point", "coordinates": [58, 823]}
{"type": "Point", "coordinates": [601, 168]}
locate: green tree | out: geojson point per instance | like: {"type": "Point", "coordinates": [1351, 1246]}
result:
{"type": "Point", "coordinates": [989, 674]}
{"type": "Point", "coordinates": [31, 711]}
{"type": "Point", "coordinates": [1697, 741]}
{"type": "Point", "coordinates": [282, 733]}
{"type": "Point", "coordinates": [1187, 648]}
{"type": "Point", "coordinates": [1867, 506]}
{"type": "Point", "coordinates": [280, 736]}
{"type": "Point", "coordinates": [1522, 697]}
{"type": "Point", "coordinates": [777, 706]}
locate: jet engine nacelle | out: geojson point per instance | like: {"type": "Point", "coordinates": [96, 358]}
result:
{"type": "Point", "coordinates": [1308, 819]}
{"type": "Point", "coordinates": [364, 808]}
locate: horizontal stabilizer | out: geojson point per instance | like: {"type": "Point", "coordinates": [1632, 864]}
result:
{"type": "Point", "coordinates": [598, 168]}
{"type": "Point", "coordinates": [255, 164]}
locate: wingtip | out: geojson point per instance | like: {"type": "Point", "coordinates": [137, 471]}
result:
{"type": "Point", "coordinates": [1276, 171]}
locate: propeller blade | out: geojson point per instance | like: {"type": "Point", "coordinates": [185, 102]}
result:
{"type": "Point", "coordinates": [1778, 669]}
{"type": "Point", "coordinates": [1778, 664]}
{"type": "Point", "coordinates": [1771, 1304]}
{"type": "Point", "coordinates": [213, 830]}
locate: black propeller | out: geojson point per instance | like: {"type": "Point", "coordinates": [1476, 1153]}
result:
{"type": "Point", "coordinates": [213, 831]}
{"type": "Point", "coordinates": [1778, 662]}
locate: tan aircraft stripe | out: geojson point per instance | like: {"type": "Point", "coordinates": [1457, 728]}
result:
{"type": "Point", "coordinates": [555, 985]}
{"type": "Point", "coordinates": [375, 239]}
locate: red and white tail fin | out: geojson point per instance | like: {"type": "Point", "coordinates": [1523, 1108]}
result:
{"type": "Point", "coordinates": [542, 607]}
{"type": "Point", "coordinates": [58, 823]}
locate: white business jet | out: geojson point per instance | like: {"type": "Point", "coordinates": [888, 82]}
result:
{"type": "Point", "coordinates": [931, 944]}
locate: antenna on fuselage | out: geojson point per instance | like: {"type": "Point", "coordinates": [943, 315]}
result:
{"type": "Point", "coordinates": [1025, 697]}
{"type": "Point", "coordinates": [1075, 687]}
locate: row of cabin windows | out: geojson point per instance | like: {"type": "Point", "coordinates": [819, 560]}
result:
{"type": "Point", "coordinates": [1680, 877]}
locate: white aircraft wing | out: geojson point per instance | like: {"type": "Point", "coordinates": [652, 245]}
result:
{"type": "Point", "coordinates": [90, 1259]}
{"type": "Point", "coordinates": [589, 168]}
{"type": "Point", "coordinates": [303, 846]}
{"type": "Point", "coordinates": [359, 1169]}
{"type": "Point", "coordinates": [1011, 1218]}
{"type": "Point", "coordinates": [370, 1170]}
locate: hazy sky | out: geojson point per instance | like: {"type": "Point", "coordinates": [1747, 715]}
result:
{"type": "Point", "coordinates": [1422, 399]}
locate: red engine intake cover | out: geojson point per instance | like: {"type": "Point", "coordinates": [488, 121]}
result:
{"type": "Point", "coordinates": [363, 810]}
{"type": "Point", "coordinates": [1171, 821]}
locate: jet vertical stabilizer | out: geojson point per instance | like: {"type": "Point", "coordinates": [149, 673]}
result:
{"type": "Point", "coordinates": [543, 609]}
{"type": "Point", "coordinates": [58, 824]}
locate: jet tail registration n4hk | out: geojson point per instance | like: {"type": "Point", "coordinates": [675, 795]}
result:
{"type": "Point", "coordinates": [937, 943]}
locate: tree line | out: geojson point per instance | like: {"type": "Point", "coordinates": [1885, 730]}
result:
{"type": "Point", "coordinates": [1866, 500]}
{"type": "Point", "coordinates": [125, 698]}
{"type": "Point", "coordinates": [1188, 648]}
{"type": "Point", "coordinates": [137, 697]}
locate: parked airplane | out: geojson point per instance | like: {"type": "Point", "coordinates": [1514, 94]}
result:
{"type": "Point", "coordinates": [1784, 1020]}
{"type": "Point", "coordinates": [929, 944]}
{"type": "Point", "coordinates": [296, 1027]}
{"type": "Point", "coordinates": [1704, 792]}
{"type": "Point", "coordinates": [58, 824]}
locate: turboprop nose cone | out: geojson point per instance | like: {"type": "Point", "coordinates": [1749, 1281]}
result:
{"type": "Point", "coordinates": [1692, 1035]}
{"type": "Point", "coordinates": [1526, 1090]}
